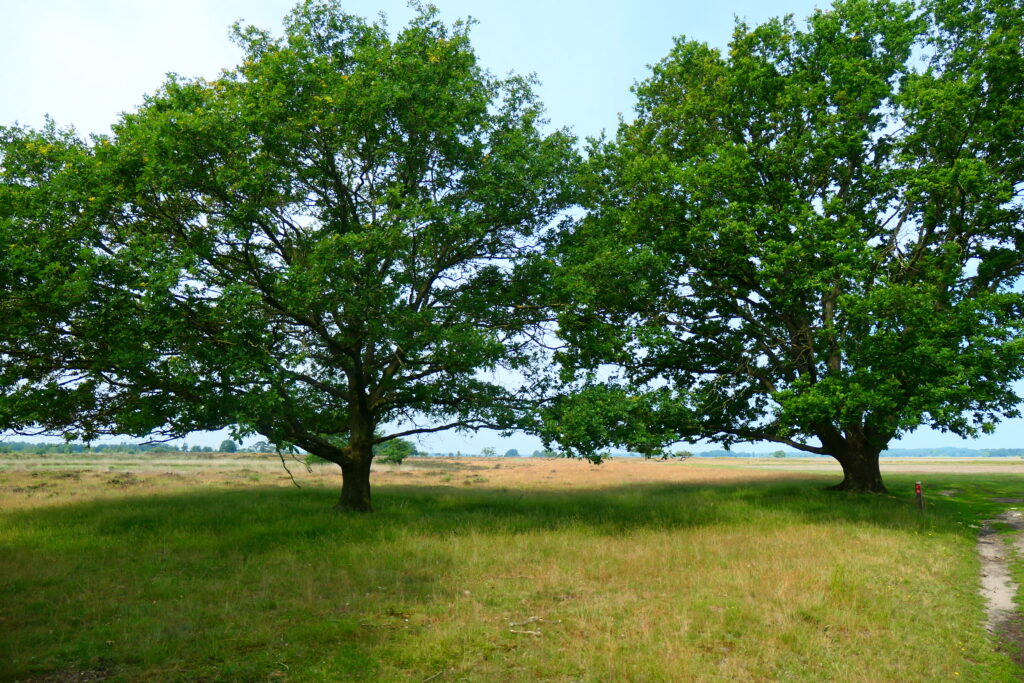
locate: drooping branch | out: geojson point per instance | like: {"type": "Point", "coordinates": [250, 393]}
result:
{"type": "Point", "coordinates": [466, 424]}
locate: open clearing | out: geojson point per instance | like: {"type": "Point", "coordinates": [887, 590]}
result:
{"type": "Point", "coordinates": [218, 568]}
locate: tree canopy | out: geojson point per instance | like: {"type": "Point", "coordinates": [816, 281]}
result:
{"type": "Point", "coordinates": [332, 237]}
{"type": "Point", "coordinates": [812, 238]}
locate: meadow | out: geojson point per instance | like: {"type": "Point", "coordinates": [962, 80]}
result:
{"type": "Point", "coordinates": [162, 568]}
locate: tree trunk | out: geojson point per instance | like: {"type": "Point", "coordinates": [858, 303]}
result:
{"type": "Point", "coordinates": [357, 457]}
{"type": "Point", "coordinates": [860, 472]}
{"type": "Point", "coordinates": [355, 484]}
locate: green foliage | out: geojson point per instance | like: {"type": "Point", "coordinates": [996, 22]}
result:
{"type": "Point", "coordinates": [395, 451]}
{"type": "Point", "coordinates": [228, 446]}
{"type": "Point", "coordinates": [680, 455]}
{"type": "Point", "coordinates": [61, 295]}
{"type": "Point", "coordinates": [808, 239]}
{"type": "Point", "coordinates": [334, 235]}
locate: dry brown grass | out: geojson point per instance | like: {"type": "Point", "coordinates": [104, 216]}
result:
{"type": "Point", "coordinates": [542, 473]}
{"type": "Point", "coordinates": [60, 479]}
{"type": "Point", "coordinates": [32, 481]}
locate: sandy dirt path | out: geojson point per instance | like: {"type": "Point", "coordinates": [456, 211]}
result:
{"type": "Point", "coordinates": [997, 584]}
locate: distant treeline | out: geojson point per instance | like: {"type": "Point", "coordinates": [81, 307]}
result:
{"type": "Point", "coordinates": [26, 447]}
{"type": "Point", "coordinates": [125, 447]}
{"type": "Point", "coordinates": [947, 452]}
{"type": "Point", "coordinates": [264, 447]}
{"type": "Point", "coordinates": [952, 452]}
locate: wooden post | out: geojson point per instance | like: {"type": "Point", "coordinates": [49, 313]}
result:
{"type": "Point", "coordinates": [920, 496]}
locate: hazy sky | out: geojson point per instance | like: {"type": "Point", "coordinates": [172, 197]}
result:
{"type": "Point", "coordinates": [86, 61]}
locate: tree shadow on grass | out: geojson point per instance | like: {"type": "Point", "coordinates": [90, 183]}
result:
{"type": "Point", "coordinates": [260, 519]}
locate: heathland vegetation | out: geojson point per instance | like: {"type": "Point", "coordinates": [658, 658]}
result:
{"type": "Point", "coordinates": [356, 235]}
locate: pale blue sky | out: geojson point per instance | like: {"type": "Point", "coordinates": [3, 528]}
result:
{"type": "Point", "coordinates": [85, 61]}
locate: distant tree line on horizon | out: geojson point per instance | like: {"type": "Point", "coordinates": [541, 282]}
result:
{"type": "Point", "coordinates": [944, 452]}
{"type": "Point", "coordinates": [394, 451]}
{"type": "Point", "coordinates": [124, 447]}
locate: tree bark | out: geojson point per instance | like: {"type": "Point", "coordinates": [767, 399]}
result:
{"type": "Point", "coordinates": [355, 483]}
{"type": "Point", "coordinates": [355, 465]}
{"type": "Point", "coordinates": [861, 473]}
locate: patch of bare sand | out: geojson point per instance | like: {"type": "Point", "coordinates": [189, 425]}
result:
{"type": "Point", "coordinates": [997, 584]}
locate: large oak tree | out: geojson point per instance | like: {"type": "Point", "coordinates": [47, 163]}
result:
{"type": "Point", "coordinates": [329, 240]}
{"type": "Point", "coordinates": [813, 238]}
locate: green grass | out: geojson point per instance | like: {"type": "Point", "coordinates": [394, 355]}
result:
{"type": "Point", "coordinates": [767, 581]}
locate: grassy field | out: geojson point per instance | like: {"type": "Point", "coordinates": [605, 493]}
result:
{"type": "Point", "coordinates": [167, 569]}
